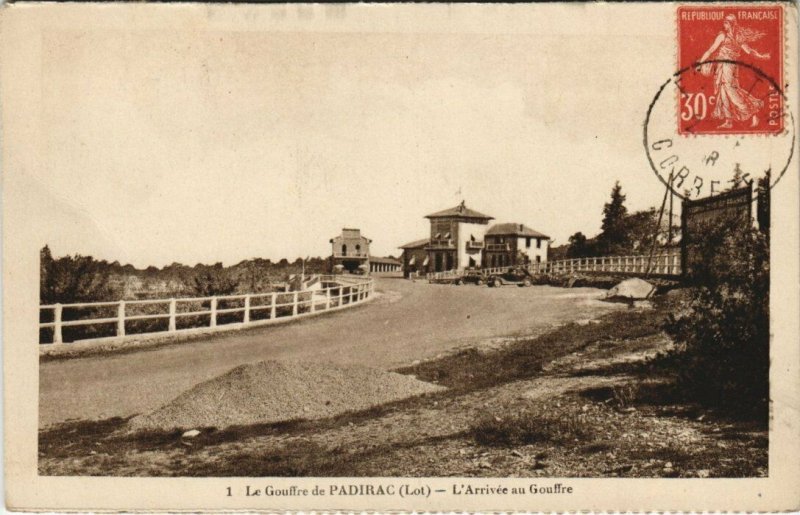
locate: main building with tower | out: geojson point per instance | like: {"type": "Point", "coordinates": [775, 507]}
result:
{"type": "Point", "coordinates": [461, 238]}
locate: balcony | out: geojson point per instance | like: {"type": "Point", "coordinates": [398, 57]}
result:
{"type": "Point", "coordinates": [352, 255]}
{"type": "Point", "coordinates": [441, 244]}
{"type": "Point", "coordinates": [498, 247]}
{"type": "Point", "coordinates": [474, 245]}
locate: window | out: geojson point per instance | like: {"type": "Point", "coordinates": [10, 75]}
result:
{"type": "Point", "coordinates": [527, 243]}
{"type": "Point", "coordinates": [438, 236]}
{"type": "Point", "coordinates": [538, 259]}
{"type": "Point", "coordinates": [358, 249]}
{"type": "Point", "coordinates": [447, 236]}
{"type": "Point", "coordinates": [538, 243]}
{"type": "Point", "coordinates": [344, 250]}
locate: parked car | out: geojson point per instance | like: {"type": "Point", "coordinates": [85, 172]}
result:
{"type": "Point", "coordinates": [473, 276]}
{"type": "Point", "coordinates": [446, 279]}
{"type": "Point", "coordinates": [517, 276]}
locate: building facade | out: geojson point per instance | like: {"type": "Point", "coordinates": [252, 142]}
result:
{"type": "Point", "coordinates": [384, 265]}
{"type": "Point", "coordinates": [456, 240]}
{"type": "Point", "coordinates": [415, 257]}
{"type": "Point", "coordinates": [350, 252]}
{"type": "Point", "coordinates": [510, 244]}
{"type": "Point", "coordinates": [461, 238]}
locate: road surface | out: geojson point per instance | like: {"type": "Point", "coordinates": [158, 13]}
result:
{"type": "Point", "coordinates": [408, 321]}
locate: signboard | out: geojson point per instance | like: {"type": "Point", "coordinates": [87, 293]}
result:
{"type": "Point", "coordinates": [698, 214]}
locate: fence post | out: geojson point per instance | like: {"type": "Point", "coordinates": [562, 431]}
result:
{"type": "Point", "coordinates": [172, 311]}
{"type": "Point", "coordinates": [246, 319]}
{"type": "Point", "coordinates": [327, 298]}
{"type": "Point", "coordinates": [294, 305]}
{"type": "Point", "coordinates": [313, 309]}
{"type": "Point", "coordinates": [121, 318]}
{"type": "Point", "coordinates": [57, 324]}
{"type": "Point", "coordinates": [273, 311]}
{"type": "Point", "coordinates": [213, 312]}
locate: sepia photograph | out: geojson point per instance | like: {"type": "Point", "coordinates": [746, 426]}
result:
{"type": "Point", "coordinates": [441, 242]}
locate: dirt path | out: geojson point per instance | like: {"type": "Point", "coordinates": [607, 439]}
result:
{"type": "Point", "coordinates": [410, 321]}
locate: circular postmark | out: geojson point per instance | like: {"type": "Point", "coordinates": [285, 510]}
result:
{"type": "Point", "coordinates": [697, 139]}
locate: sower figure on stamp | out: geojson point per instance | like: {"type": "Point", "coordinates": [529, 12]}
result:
{"type": "Point", "coordinates": [733, 101]}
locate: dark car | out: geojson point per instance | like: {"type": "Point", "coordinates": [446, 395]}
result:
{"type": "Point", "coordinates": [473, 276]}
{"type": "Point", "coordinates": [516, 276]}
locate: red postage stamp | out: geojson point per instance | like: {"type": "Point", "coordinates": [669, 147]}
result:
{"type": "Point", "coordinates": [731, 69]}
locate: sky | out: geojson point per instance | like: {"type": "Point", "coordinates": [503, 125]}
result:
{"type": "Point", "coordinates": [224, 141]}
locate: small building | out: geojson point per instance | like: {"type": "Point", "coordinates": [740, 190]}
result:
{"type": "Point", "coordinates": [415, 257]}
{"type": "Point", "coordinates": [383, 265]}
{"type": "Point", "coordinates": [350, 252]}
{"type": "Point", "coordinates": [510, 244]}
{"type": "Point", "coordinates": [456, 238]}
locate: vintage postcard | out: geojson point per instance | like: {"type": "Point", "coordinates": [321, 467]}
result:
{"type": "Point", "coordinates": [401, 257]}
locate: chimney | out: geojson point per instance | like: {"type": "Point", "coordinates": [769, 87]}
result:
{"type": "Point", "coordinates": [520, 227]}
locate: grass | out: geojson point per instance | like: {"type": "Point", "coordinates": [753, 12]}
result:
{"type": "Point", "coordinates": [529, 427]}
{"type": "Point", "coordinates": [471, 369]}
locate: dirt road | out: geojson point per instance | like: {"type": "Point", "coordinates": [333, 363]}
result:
{"type": "Point", "coordinates": [409, 321]}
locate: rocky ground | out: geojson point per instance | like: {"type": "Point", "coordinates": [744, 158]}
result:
{"type": "Point", "coordinates": [575, 402]}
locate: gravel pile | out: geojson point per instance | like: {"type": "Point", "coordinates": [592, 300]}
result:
{"type": "Point", "coordinates": [272, 391]}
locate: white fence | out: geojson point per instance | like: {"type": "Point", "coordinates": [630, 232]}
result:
{"type": "Point", "coordinates": [253, 309]}
{"type": "Point", "coordinates": [663, 265]}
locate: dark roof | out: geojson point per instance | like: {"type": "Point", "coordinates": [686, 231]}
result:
{"type": "Point", "coordinates": [385, 260]}
{"type": "Point", "coordinates": [460, 211]}
{"type": "Point", "coordinates": [514, 230]}
{"type": "Point", "coordinates": [415, 244]}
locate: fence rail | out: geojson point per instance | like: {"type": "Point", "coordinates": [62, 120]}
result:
{"type": "Point", "coordinates": [668, 264]}
{"type": "Point", "coordinates": [253, 309]}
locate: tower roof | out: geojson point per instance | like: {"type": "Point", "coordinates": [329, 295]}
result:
{"type": "Point", "coordinates": [460, 211]}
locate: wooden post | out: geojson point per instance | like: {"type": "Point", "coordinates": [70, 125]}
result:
{"type": "Point", "coordinates": [327, 299]}
{"type": "Point", "coordinates": [172, 310]}
{"type": "Point", "coordinates": [246, 319]}
{"type": "Point", "coordinates": [313, 308]}
{"type": "Point", "coordinates": [57, 338]}
{"type": "Point", "coordinates": [294, 305]}
{"type": "Point", "coordinates": [213, 312]}
{"type": "Point", "coordinates": [121, 318]}
{"type": "Point", "coordinates": [273, 310]}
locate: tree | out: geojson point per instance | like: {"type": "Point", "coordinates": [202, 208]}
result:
{"type": "Point", "coordinates": [213, 280]}
{"type": "Point", "coordinates": [73, 279]}
{"type": "Point", "coordinates": [613, 235]}
{"type": "Point", "coordinates": [640, 229]}
{"type": "Point", "coordinates": [578, 246]}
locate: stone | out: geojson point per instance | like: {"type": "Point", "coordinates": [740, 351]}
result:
{"type": "Point", "coordinates": [631, 289]}
{"type": "Point", "coordinates": [642, 304]}
{"type": "Point", "coordinates": [703, 473]}
{"type": "Point", "coordinates": [191, 433]}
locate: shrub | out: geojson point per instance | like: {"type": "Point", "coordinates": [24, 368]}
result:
{"type": "Point", "coordinates": [722, 356]}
